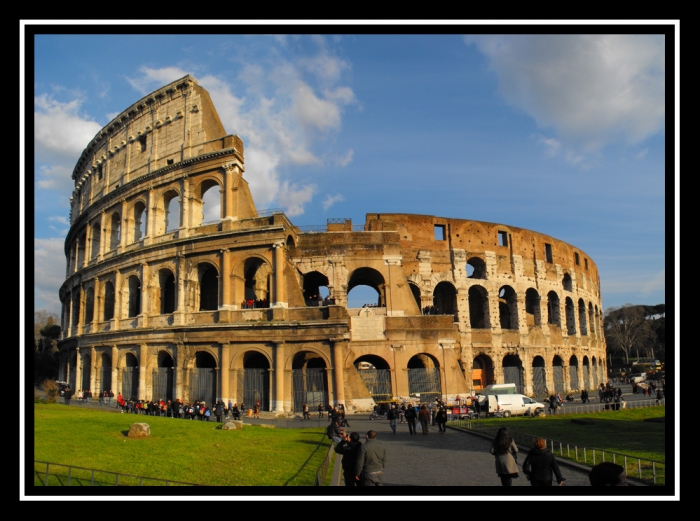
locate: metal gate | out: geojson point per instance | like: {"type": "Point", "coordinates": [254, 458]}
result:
{"type": "Point", "coordinates": [378, 383]}
{"type": "Point", "coordinates": [105, 378]}
{"type": "Point", "coordinates": [425, 382]}
{"type": "Point", "coordinates": [162, 383]}
{"type": "Point", "coordinates": [86, 376]}
{"type": "Point", "coordinates": [573, 378]}
{"type": "Point", "coordinates": [539, 381]}
{"type": "Point", "coordinates": [558, 374]}
{"type": "Point", "coordinates": [256, 388]}
{"type": "Point", "coordinates": [130, 383]}
{"type": "Point", "coordinates": [512, 374]}
{"type": "Point", "coordinates": [309, 387]}
{"type": "Point", "coordinates": [586, 381]}
{"type": "Point", "coordinates": [203, 385]}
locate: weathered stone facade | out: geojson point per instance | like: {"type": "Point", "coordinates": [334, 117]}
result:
{"type": "Point", "coordinates": [159, 304]}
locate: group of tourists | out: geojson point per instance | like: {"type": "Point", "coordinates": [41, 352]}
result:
{"type": "Point", "coordinates": [197, 410]}
{"type": "Point", "coordinates": [255, 304]}
{"type": "Point", "coordinates": [363, 463]}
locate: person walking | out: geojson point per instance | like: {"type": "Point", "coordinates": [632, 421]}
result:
{"type": "Point", "coordinates": [111, 397]}
{"type": "Point", "coordinates": [371, 461]}
{"type": "Point", "coordinates": [320, 410]}
{"type": "Point", "coordinates": [392, 416]}
{"type": "Point", "coordinates": [305, 412]}
{"type": "Point", "coordinates": [441, 419]}
{"type": "Point", "coordinates": [349, 448]}
{"type": "Point", "coordinates": [540, 464]}
{"type": "Point", "coordinates": [410, 416]}
{"type": "Point", "coordinates": [553, 404]}
{"type": "Point", "coordinates": [424, 419]}
{"type": "Point", "coordinates": [506, 452]}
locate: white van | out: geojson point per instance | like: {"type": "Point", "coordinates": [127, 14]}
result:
{"type": "Point", "coordinates": [511, 405]}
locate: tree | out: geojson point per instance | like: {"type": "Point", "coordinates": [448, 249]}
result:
{"type": "Point", "coordinates": [627, 328]}
{"type": "Point", "coordinates": [45, 350]}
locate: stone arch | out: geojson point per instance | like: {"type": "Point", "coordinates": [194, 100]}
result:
{"type": "Point", "coordinates": [368, 277]}
{"type": "Point", "coordinates": [171, 210]}
{"type": "Point", "coordinates": [539, 376]}
{"type": "Point", "coordinates": [133, 296]}
{"type": "Point", "coordinates": [109, 300]}
{"type": "Point", "coordinates": [115, 226]}
{"type": "Point", "coordinates": [513, 372]}
{"type": "Point", "coordinates": [533, 315]}
{"type": "Point", "coordinates": [208, 277]}
{"type": "Point", "coordinates": [445, 298]}
{"type": "Point", "coordinates": [375, 373]}
{"type": "Point", "coordinates": [553, 309]}
{"type": "Point", "coordinates": [424, 377]}
{"type": "Point", "coordinates": [309, 379]}
{"type": "Point", "coordinates": [479, 317]}
{"type": "Point", "coordinates": [508, 308]}
{"type": "Point", "coordinates": [163, 377]}
{"type": "Point", "coordinates": [95, 241]}
{"type": "Point", "coordinates": [203, 381]}
{"type": "Point", "coordinates": [313, 282]}
{"type": "Point", "coordinates": [415, 291]}
{"type": "Point", "coordinates": [167, 297]}
{"type": "Point", "coordinates": [566, 282]}
{"type": "Point", "coordinates": [482, 372]}
{"type": "Point", "coordinates": [570, 318]}
{"type": "Point", "coordinates": [257, 274]}
{"type": "Point", "coordinates": [290, 242]}
{"type": "Point", "coordinates": [573, 374]}
{"type": "Point", "coordinates": [256, 379]}
{"type": "Point", "coordinates": [130, 376]}
{"type": "Point", "coordinates": [89, 305]}
{"type": "Point", "coordinates": [582, 317]}
{"type": "Point", "coordinates": [558, 374]}
{"type": "Point", "coordinates": [140, 220]}
{"type": "Point", "coordinates": [201, 214]}
{"type": "Point", "coordinates": [476, 268]}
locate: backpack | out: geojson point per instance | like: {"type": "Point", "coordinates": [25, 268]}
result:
{"type": "Point", "coordinates": [207, 413]}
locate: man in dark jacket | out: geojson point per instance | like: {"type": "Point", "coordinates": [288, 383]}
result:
{"type": "Point", "coordinates": [540, 464]}
{"type": "Point", "coordinates": [410, 416]}
{"type": "Point", "coordinates": [392, 415]}
{"type": "Point", "coordinates": [371, 460]}
{"type": "Point", "coordinates": [349, 448]}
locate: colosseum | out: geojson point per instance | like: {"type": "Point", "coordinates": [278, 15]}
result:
{"type": "Point", "coordinates": [160, 302]}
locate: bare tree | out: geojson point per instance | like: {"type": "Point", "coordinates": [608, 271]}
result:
{"type": "Point", "coordinates": [627, 328]}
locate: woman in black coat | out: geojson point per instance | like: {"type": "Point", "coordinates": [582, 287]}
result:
{"type": "Point", "coordinates": [441, 419]}
{"type": "Point", "coordinates": [540, 464]}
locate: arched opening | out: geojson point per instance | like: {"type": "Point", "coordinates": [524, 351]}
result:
{"type": "Point", "coordinates": [115, 231]}
{"type": "Point", "coordinates": [424, 378]}
{"type": "Point", "coordinates": [508, 308]}
{"type": "Point", "coordinates": [582, 317]}
{"type": "Point", "coordinates": [570, 319]}
{"type": "Point", "coordinates": [375, 373]}
{"type": "Point", "coordinates": [95, 242]}
{"type": "Point", "coordinates": [87, 373]}
{"type": "Point", "coordinates": [210, 203]}
{"type": "Point", "coordinates": [478, 308]}
{"type": "Point", "coordinates": [257, 283]}
{"type": "Point", "coordinates": [168, 302]}
{"type": "Point", "coordinates": [586, 373]}
{"type": "Point", "coordinates": [533, 316]}
{"type": "Point", "coordinates": [513, 372]}
{"type": "Point", "coordinates": [476, 268]}
{"type": "Point", "coordinates": [366, 289]}
{"type": "Point", "coordinates": [163, 377]}
{"type": "Point", "coordinates": [89, 305]}
{"type": "Point", "coordinates": [315, 288]}
{"type": "Point", "coordinates": [594, 372]}
{"type": "Point", "coordinates": [482, 373]}
{"type": "Point", "coordinates": [208, 288]}
{"type": "Point", "coordinates": [130, 377]}
{"type": "Point", "coordinates": [539, 377]}
{"type": "Point", "coordinates": [109, 301]}
{"type": "Point", "coordinates": [445, 299]}
{"type": "Point", "coordinates": [553, 313]}
{"type": "Point", "coordinates": [82, 240]}
{"type": "Point", "coordinates": [75, 316]}
{"type": "Point", "coordinates": [134, 296]}
{"type": "Point", "coordinates": [566, 282]}
{"type": "Point", "coordinates": [290, 242]}
{"type": "Point", "coordinates": [591, 318]}
{"type": "Point", "coordinates": [256, 380]}
{"type": "Point", "coordinates": [309, 381]}
{"type": "Point", "coordinates": [415, 291]}
{"type": "Point", "coordinates": [558, 374]}
{"type": "Point", "coordinates": [203, 378]}
{"type": "Point", "coordinates": [573, 374]}
{"type": "Point", "coordinates": [171, 203]}
{"type": "Point", "coordinates": [140, 221]}
{"type": "Point", "coordinates": [105, 373]}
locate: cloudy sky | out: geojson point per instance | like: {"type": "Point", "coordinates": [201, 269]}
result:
{"type": "Point", "coordinates": [562, 134]}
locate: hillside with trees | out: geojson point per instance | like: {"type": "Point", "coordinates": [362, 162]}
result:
{"type": "Point", "coordinates": [636, 330]}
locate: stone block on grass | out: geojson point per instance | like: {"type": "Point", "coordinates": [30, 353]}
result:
{"type": "Point", "coordinates": [139, 430]}
{"type": "Point", "coordinates": [232, 425]}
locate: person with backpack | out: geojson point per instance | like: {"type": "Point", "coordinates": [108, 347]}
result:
{"type": "Point", "coordinates": [410, 416]}
{"type": "Point", "coordinates": [441, 419]}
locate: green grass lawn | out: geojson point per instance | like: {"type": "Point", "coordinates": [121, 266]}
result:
{"type": "Point", "coordinates": [179, 450]}
{"type": "Point", "coordinates": [625, 432]}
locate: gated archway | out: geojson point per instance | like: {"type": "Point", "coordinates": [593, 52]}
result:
{"type": "Point", "coordinates": [163, 377]}
{"type": "Point", "coordinates": [203, 378]}
{"type": "Point", "coordinates": [86, 372]}
{"type": "Point", "coordinates": [513, 372]}
{"type": "Point", "coordinates": [539, 377]}
{"type": "Point", "coordinates": [376, 375]}
{"type": "Point", "coordinates": [558, 374]}
{"type": "Point", "coordinates": [586, 373]}
{"type": "Point", "coordinates": [256, 380]}
{"type": "Point", "coordinates": [130, 377]}
{"type": "Point", "coordinates": [424, 377]}
{"type": "Point", "coordinates": [573, 374]}
{"type": "Point", "coordinates": [309, 381]}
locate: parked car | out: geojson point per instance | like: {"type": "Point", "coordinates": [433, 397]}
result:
{"type": "Point", "coordinates": [511, 405]}
{"type": "Point", "coordinates": [61, 387]}
{"type": "Point", "coordinates": [638, 377]}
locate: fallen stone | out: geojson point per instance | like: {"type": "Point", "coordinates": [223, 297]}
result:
{"type": "Point", "coordinates": [232, 425]}
{"type": "Point", "coordinates": [139, 430]}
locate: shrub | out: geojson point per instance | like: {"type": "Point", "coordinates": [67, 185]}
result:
{"type": "Point", "coordinates": [51, 389]}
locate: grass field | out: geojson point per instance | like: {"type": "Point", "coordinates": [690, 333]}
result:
{"type": "Point", "coordinates": [179, 450]}
{"type": "Point", "coordinates": [624, 432]}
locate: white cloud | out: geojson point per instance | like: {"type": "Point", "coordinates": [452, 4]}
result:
{"type": "Point", "coordinates": [594, 90]}
{"type": "Point", "coordinates": [346, 159]}
{"type": "Point", "coordinates": [293, 197]}
{"type": "Point", "coordinates": [49, 273]}
{"type": "Point", "coordinates": [642, 154]}
{"type": "Point", "coordinates": [330, 200]}
{"type": "Point", "coordinates": [155, 78]}
{"type": "Point", "coordinates": [59, 219]}
{"type": "Point", "coordinates": [57, 178]}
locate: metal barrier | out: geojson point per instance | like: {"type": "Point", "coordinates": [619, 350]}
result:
{"type": "Point", "coordinates": [322, 471]}
{"type": "Point", "coordinates": [569, 408]}
{"type": "Point", "coordinates": [86, 477]}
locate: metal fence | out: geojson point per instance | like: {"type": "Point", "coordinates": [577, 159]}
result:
{"type": "Point", "coordinates": [322, 471]}
{"type": "Point", "coordinates": [570, 408]}
{"type": "Point", "coordinates": [48, 474]}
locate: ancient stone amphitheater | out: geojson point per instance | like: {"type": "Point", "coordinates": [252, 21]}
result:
{"type": "Point", "coordinates": [162, 302]}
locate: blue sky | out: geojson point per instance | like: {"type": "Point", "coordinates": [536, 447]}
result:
{"type": "Point", "coordinates": [562, 134]}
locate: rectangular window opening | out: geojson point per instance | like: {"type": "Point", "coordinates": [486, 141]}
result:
{"type": "Point", "coordinates": [585, 262]}
{"type": "Point", "coordinates": [576, 259]}
{"type": "Point", "coordinates": [502, 238]}
{"type": "Point", "coordinates": [548, 253]}
{"type": "Point", "coordinates": [439, 232]}
{"type": "Point", "coordinates": [142, 142]}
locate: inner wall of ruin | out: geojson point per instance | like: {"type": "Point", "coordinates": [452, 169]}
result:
{"type": "Point", "coordinates": [162, 300]}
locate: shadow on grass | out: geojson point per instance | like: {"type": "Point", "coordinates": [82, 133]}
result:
{"type": "Point", "coordinates": [319, 446]}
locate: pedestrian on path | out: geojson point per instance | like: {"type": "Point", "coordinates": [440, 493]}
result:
{"type": "Point", "coordinates": [371, 460]}
{"type": "Point", "coordinates": [410, 416]}
{"type": "Point", "coordinates": [540, 464]}
{"type": "Point", "coordinates": [424, 419]}
{"type": "Point", "coordinates": [441, 419]}
{"type": "Point", "coordinates": [349, 448]}
{"type": "Point", "coordinates": [506, 452]}
{"type": "Point", "coordinates": [392, 415]}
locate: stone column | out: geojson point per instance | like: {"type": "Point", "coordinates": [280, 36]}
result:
{"type": "Point", "coordinates": [579, 374]}
{"type": "Point", "coordinates": [78, 371]}
{"type": "Point", "coordinates": [565, 378]}
{"type": "Point", "coordinates": [143, 365]}
{"type": "Point", "coordinates": [185, 207]}
{"type": "Point", "coordinates": [123, 225]}
{"type": "Point", "coordinates": [278, 276]}
{"type": "Point", "coordinates": [225, 365]}
{"type": "Point", "coordinates": [179, 353]}
{"type": "Point", "coordinates": [116, 319]}
{"type": "Point", "coordinates": [525, 359]}
{"type": "Point", "coordinates": [338, 378]}
{"type": "Point", "coordinates": [228, 211]}
{"type": "Point", "coordinates": [225, 279]}
{"type": "Point", "coordinates": [278, 368]}
{"type": "Point", "coordinates": [93, 370]}
{"type": "Point", "coordinates": [115, 371]}
{"type": "Point", "coordinates": [103, 239]}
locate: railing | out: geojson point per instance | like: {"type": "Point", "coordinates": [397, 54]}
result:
{"type": "Point", "coordinates": [641, 468]}
{"type": "Point", "coordinates": [569, 408]}
{"type": "Point", "coordinates": [322, 471]}
{"type": "Point", "coordinates": [269, 211]}
{"type": "Point", "coordinates": [81, 476]}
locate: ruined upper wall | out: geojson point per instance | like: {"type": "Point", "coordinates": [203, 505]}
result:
{"type": "Point", "coordinates": [172, 124]}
